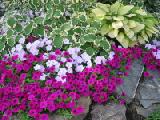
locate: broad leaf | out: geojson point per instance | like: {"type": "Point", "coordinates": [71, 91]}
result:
{"type": "Point", "coordinates": [125, 9]}
{"type": "Point", "coordinates": [58, 42]}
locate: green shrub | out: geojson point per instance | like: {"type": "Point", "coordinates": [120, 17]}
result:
{"type": "Point", "coordinates": [73, 26]}
{"type": "Point", "coordinates": [154, 116]}
{"type": "Point", "coordinates": [127, 24]}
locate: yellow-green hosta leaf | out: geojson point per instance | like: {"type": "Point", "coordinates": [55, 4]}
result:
{"type": "Point", "coordinates": [108, 17]}
{"type": "Point", "coordinates": [118, 18]}
{"type": "Point", "coordinates": [125, 22]}
{"type": "Point", "coordinates": [141, 40]}
{"type": "Point", "coordinates": [124, 42]}
{"type": "Point", "coordinates": [117, 24]}
{"type": "Point", "coordinates": [132, 24]}
{"type": "Point", "coordinates": [141, 12]}
{"type": "Point", "coordinates": [125, 9]}
{"type": "Point", "coordinates": [113, 33]}
{"type": "Point", "coordinates": [131, 15]}
{"type": "Point", "coordinates": [132, 43]}
{"type": "Point", "coordinates": [126, 28]}
{"type": "Point", "coordinates": [129, 33]}
{"type": "Point", "coordinates": [120, 36]}
{"type": "Point", "coordinates": [114, 7]}
{"type": "Point", "coordinates": [104, 7]}
{"type": "Point", "coordinates": [134, 38]}
{"type": "Point", "coordinates": [105, 29]}
{"type": "Point", "coordinates": [138, 28]}
{"type": "Point", "coordinates": [99, 12]}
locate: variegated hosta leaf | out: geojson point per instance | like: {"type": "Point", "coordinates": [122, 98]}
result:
{"type": "Point", "coordinates": [124, 42]}
{"type": "Point", "coordinates": [105, 29]}
{"type": "Point", "coordinates": [129, 33]}
{"type": "Point", "coordinates": [141, 12]}
{"type": "Point", "coordinates": [141, 40]}
{"type": "Point", "coordinates": [118, 18]}
{"type": "Point", "coordinates": [117, 24]}
{"type": "Point", "coordinates": [99, 12]}
{"type": "Point", "coordinates": [104, 7]}
{"type": "Point", "coordinates": [125, 9]}
{"type": "Point", "coordinates": [115, 7]}
{"type": "Point", "coordinates": [138, 28]}
{"type": "Point", "coordinates": [113, 33]}
{"type": "Point", "coordinates": [132, 24]}
{"type": "Point", "coordinates": [120, 36]}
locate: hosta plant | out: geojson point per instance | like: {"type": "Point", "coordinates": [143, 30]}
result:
{"type": "Point", "coordinates": [69, 21]}
{"type": "Point", "coordinates": [127, 24]}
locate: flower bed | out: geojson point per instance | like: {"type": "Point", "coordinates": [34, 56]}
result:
{"type": "Point", "coordinates": [62, 55]}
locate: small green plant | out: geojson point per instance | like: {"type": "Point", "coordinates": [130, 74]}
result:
{"type": "Point", "coordinates": [65, 113]}
{"type": "Point", "coordinates": [154, 116]}
{"type": "Point", "coordinates": [127, 24]}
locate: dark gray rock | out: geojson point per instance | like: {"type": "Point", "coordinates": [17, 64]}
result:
{"type": "Point", "coordinates": [149, 90]}
{"type": "Point", "coordinates": [131, 81]}
{"type": "Point", "coordinates": [108, 112]}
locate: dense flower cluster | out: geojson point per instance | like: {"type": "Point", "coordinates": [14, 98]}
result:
{"type": "Point", "coordinates": [36, 83]}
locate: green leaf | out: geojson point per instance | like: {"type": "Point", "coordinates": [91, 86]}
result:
{"type": "Point", "coordinates": [117, 24]}
{"type": "Point", "coordinates": [39, 20]}
{"type": "Point", "coordinates": [28, 29]}
{"type": "Point", "coordinates": [39, 31]}
{"type": "Point", "coordinates": [89, 37]}
{"type": "Point", "coordinates": [105, 45]}
{"type": "Point", "coordinates": [2, 43]}
{"type": "Point", "coordinates": [91, 51]}
{"type": "Point", "coordinates": [58, 42]}
{"type": "Point", "coordinates": [125, 9]}
{"type": "Point", "coordinates": [105, 29]}
{"type": "Point", "coordinates": [98, 12]}
{"type": "Point", "coordinates": [114, 7]}
{"type": "Point", "coordinates": [11, 42]}
{"type": "Point", "coordinates": [57, 13]}
{"type": "Point", "coordinates": [10, 33]}
{"type": "Point", "coordinates": [18, 27]}
{"type": "Point", "coordinates": [113, 33]}
{"type": "Point", "coordinates": [138, 28]}
{"type": "Point", "coordinates": [11, 22]}
{"type": "Point", "coordinates": [49, 14]}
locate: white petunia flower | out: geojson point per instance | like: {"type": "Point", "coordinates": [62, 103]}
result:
{"type": "Point", "coordinates": [43, 77]}
{"type": "Point", "coordinates": [149, 46]}
{"type": "Point", "coordinates": [89, 64]}
{"type": "Point", "coordinates": [63, 59]}
{"type": "Point", "coordinates": [19, 47]}
{"type": "Point", "coordinates": [22, 40]}
{"type": "Point", "coordinates": [50, 63]}
{"type": "Point", "coordinates": [49, 48]}
{"type": "Point", "coordinates": [66, 41]}
{"type": "Point", "coordinates": [57, 66]}
{"type": "Point", "coordinates": [48, 42]}
{"type": "Point", "coordinates": [34, 51]}
{"type": "Point", "coordinates": [70, 70]}
{"type": "Point", "coordinates": [79, 68]}
{"type": "Point", "coordinates": [13, 49]}
{"type": "Point", "coordinates": [78, 60]}
{"type": "Point", "coordinates": [111, 55]}
{"type": "Point", "coordinates": [100, 60]}
{"type": "Point", "coordinates": [29, 45]}
{"type": "Point", "coordinates": [62, 72]}
{"type": "Point", "coordinates": [85, 57]}
{"type": "Point", "coordinates": [58, 78]}
{"type": "Point", "coordinates": [69, 65]}
{"type": "Point", "coordinates": [37, 67]}
{"type": "Point", "coordinates": [45, 56]}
